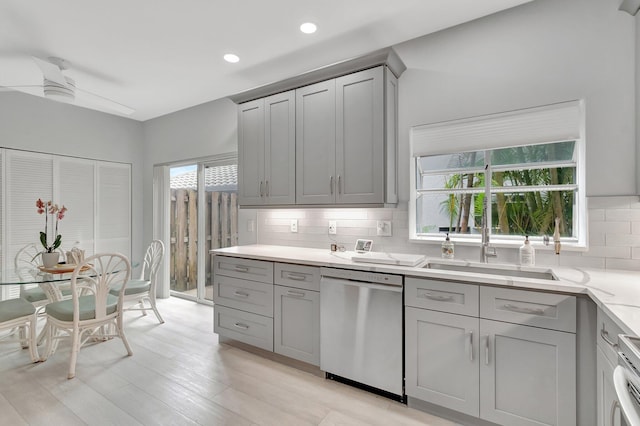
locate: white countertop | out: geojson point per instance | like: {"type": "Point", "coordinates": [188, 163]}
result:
{"type": "Point", "coordinates": [616, 292]}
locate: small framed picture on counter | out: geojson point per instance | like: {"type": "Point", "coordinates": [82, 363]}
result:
{"type": "Point", "coordinates": [363, 246]}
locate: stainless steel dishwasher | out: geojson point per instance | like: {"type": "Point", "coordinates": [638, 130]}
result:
{"type": "Point", "coordinates": [361, 336]}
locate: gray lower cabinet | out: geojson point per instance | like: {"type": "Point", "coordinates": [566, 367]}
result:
{"type": "Point", "coordinates": [442, 359]}
{"type": "Point", "coordinates": [296, 322]}
{"type": "Point", "coordinates": [527, 375]}
{"type": "Point", "coordinates": [471, 349]}
{"type": "Point", "coordinates": [606, 360]}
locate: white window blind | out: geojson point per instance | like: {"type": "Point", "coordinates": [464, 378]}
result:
{"type": "Point", "coordinates": [551, 123]}
{"type": "Point", "coordinates": [114, 208]}
{"type": "Point", "coordinates": [76, 191]}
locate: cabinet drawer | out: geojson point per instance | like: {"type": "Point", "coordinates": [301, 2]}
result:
{"type": "Point", "coordinates": [442, 296]}
{"type": "Point", "coordinates": [246, 327]}
{"type": "Point", "coordinates": [608, 336]}
{"type": "Point", "coordinates": [255, 270]}
{"type": "Point", "coordinates": [552, 311]}
{"type": "Point", "coordinates": [298, 276]}
{"type": "Point", "coordinates": [250, 296]}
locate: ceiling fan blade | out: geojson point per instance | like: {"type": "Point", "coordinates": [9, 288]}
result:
{"type": "Point", "coordinates": [51, 71]}
{"type": "Point", "coordinates": [97, 100]}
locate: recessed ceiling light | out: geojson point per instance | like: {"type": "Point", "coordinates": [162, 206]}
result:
{"type": "Point", "coordinates": [308, 28]}
{"type": "Point", "coordinates": [230, 57]}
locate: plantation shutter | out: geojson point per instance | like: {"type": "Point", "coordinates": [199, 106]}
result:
{"type": "Point", "coordinates": [29, 177]}
{"type": "Point", "coordinates": [113, 226]}
{"type": "Point", "coordinates": [551, 123]}
{"type": "Point", "coordinates": [76, 191]}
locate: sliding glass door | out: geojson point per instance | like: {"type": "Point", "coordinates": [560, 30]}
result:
{"type": "Point", "coordinates": [203, 216]}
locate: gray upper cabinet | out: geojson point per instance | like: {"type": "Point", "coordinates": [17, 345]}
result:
{"type": "Point", "coordinates": [251, 152]}
{"type": "Point", "coordinates": [333, 142]}
{"type": "Point", "coordinates": [345, 144]}
{"type": "Point", "coordinates": [316, 143]}
{"type": "Point", "coordinates": [266, 150]}
{"type": "Point", "coordinates": [360, 137]}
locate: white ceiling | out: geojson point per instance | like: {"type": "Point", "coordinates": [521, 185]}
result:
{"type": "Point", "coordinates": [160, 56]}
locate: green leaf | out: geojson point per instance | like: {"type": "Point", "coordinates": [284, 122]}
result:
{"type": "Point", "coordinates": [57, 242]}
{"type": "Point", "coordinates": [43, 239]}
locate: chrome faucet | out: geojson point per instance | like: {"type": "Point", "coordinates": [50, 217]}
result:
{"type": "Point", "coordinates": [486, 250]}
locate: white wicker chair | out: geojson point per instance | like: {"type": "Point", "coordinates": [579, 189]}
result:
{"type": "Point", "coordinates": [144, 288]}
{"type": "Point", "coordinates": [20, 314]}
{"type": "Point", "coordinates": [28, 258]}
{"type": "Point", "coordinates": [94, 314]}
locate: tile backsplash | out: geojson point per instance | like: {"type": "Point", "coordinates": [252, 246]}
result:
{"type": "Point", "coordinates": [614, 233]}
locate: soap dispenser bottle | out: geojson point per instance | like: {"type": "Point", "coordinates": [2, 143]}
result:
{"type": "Point", "coordinates": [527, 253]}
{"type": "Point", "coordinates": [447, 248]}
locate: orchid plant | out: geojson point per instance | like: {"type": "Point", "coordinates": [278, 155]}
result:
{"type": "Point", "coordinates": [57, 214]}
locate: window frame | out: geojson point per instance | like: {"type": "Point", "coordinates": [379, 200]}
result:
{"type": "Point", "coordinates": [421, 145]}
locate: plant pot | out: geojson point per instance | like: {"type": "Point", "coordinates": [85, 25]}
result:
{"type": "Point", "coordinates": [49, 260]}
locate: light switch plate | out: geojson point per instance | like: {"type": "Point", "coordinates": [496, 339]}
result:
{"type": "Point", "coordinates": [383, 228]}
{"type": "Point", "coordinates": [294, 225]}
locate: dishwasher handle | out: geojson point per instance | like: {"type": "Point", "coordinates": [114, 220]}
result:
{"type": "Point", "coordinates": [627, 406]}
{"type": "Point", "coordinates": [324, 280]}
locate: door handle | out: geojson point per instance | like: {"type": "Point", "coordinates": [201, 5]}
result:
{"type": "Point", "coordinates": [470, 346]}
{"type": "Point", "coordinates": [486, 350]}
{"type": "Point", "coordinates": [331, 184]}
{"type": "Point", "coordinates": [266, 185]}
{"type": "Point", "coordinates": [261, 193]}
{"type": "Point", "coordinates": [614, 405]}
{"type": "Point", "coordinates": [339, 185]}
{"type": "Point", "coordinates": [605, 336]}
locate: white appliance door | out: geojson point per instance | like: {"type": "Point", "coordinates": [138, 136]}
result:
{"type": "Point", "coordinates": [628, 407]}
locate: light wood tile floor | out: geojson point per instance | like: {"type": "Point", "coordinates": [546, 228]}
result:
{"type": "Point", "coordinates": [180, 375]}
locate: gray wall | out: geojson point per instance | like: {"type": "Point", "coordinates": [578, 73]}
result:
{"type": "Point", "coordinates": [539, 53]}
{"type": "Point", "coordinates": [36, 124]}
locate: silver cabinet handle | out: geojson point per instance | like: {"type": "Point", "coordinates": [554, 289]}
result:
{"type": "Point", "coordinates": [295, 293]}
{"type": "Point", "coordinates": [438, 298]}
{"type": "Point", "coordinates": [296, 277]}
{"type": "Point", "coordinates": [523, 310]}
{"type": "Point", "coordinates": [339, 185]}
{"type": "Point", "coordinates": [241, 268]}
{"type": "Point", "coordinates": [486, 351]}
{"type": "Point", "coordinates": [471, 346]}
{"type": "Point", "coordinates": [240, 294]}
{"type": "Point", "coordinates": [242, 326]}
{"type": "Point", "coordinates": [266, 185]}
{"type": "Point", "coordinates": [614, 405]}
{"type": "Point", "coordinates": [605, 336]}
{"type": "Point", "coordinates": [261, 193]}
{"type": "Point", "coordinates": [331, 184]}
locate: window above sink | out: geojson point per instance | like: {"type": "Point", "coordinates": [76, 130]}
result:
{"type": "Point", "coordinates": [528, 163]}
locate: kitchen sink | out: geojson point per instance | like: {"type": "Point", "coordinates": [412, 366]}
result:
{"type": "Point", "coordinates": [503, 270]}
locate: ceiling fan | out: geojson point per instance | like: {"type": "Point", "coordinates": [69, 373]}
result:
{"type": "Point", "coordinates": [58, 87]}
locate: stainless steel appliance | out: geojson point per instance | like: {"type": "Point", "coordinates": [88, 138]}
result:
{"type": "Point", "coordinates": [626, 379]}
{"type": "Point", "coordinates": [361, 336]}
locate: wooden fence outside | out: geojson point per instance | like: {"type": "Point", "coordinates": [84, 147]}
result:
{"type": "Point", "coordinates": [221, 230]}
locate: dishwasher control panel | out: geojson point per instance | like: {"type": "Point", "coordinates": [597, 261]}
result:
{"type": "Point", "coordinates": [364, 276]}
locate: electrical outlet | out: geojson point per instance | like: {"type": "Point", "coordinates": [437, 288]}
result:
{"type": "Point", "coordinates": [383, 228]}
{"type": "Point", "coordinates": [333, 228]}
{"type": "Point", "coordinates": [294, 225]}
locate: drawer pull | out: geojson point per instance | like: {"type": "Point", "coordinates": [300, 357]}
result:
{"type": "Point", "coordinates": [241, 325]}
{"type": "Point", "coordinates": [296, 277]}
{"type": "Point", "coordinates": [240, 294]}
{"type": "Point", "coordinates": [295, 293]}
{"type": "Point", "coordinates": [240, 268]}
{"type": "Point", "coordinates": [438, 298]}
{"type": "Point", "coordinates": [523, 310]}
{"type": "Point", "coordinates": [605, 336]}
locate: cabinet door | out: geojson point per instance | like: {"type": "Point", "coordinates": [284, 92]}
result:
{"type": "Point", "coordinates": [528, 375]}
{"type": "Point", "coordinates": [113, 209]}
{"type": "Point", "coordinates": [280, 148]}
{"type": "Point", "coordinates": [606, 391]}
{"type": "Point", "coordinates": [296, 324]}
{"type": "Point", "coordinates": [442, 359]}
{"type": "Point", "coordinates": [316, 143]}
{"type": "Point", "coordinates": [251, 153]}
{"type": "Point", "coordinates": [360, 137]}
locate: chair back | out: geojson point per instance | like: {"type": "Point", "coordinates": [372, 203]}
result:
{"type": "Point", "coordinates": [95, 276]}
{"type": "Point", "coordinates": [152, 261]}
{"type": "Point", "coordinates": [27, 257]}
